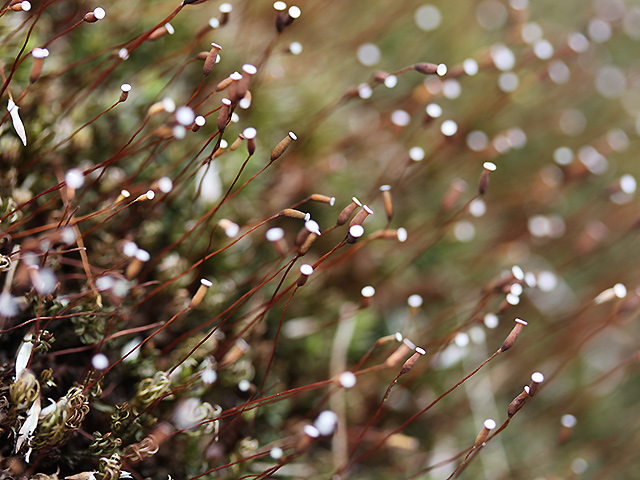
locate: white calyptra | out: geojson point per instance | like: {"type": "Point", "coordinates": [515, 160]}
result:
{"type": "Point", "coordinates": [185, 116]}
{"type": "Point", "coordinates": [326, 422]}
{"type": "Point", "coordinates": [17, 122]}
{"type": "Point", "coordinates": [347, 379]}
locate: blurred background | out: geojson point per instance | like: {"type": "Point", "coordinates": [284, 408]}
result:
{"type": "Point", "coordinates": [547, 92]}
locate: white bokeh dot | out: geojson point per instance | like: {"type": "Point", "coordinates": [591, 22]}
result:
{"type": "Point", "coordinates": [451, 89]}
{"type": "Point", "coordinates": [611, 82]}
{"type": "Point", "coordinates": [559, 72]}
{"type": "Point", "coordinates": [599, 30]}
{"type": "Point", "coordinates": [503, 58]}
{"type": "Point", "coordinates": [74, 178]}
{"type": "Point", "coordinates": [477, 140]}
{"type": "Point", "coordinates": [491, 320]}
{"type": "Point", "coordinates": [449, 128]}
{"type": "Point", "coordinates": [100, 361]}
{"type": "Point", "coordinates": [578, 42]}
{"type": "Point", "coordinates": [563, 155]}
{"type": "Point", "coordinates": [434, 110]}
{"type": "Point", "coordinates": [416, 154]}
{"type": "Point", "coordinates": [428, 17]}
{"type": "Point", "coordinates": [347, 379]}
{"type": "Point", "coordinates": [572, 122]}
{"type": "Point", "coordinates": [400, 118]}
{"type": "Point", "coordinates": [464, 231]}
{"type": "Point", "coordinates": [543, 49]}
{"type": "Point", "coordinates": [368, 54]}
{"type": "Point", "coordinates": [470, 66]}
{"type": "Point", "coordinates": [491, 15]}
{"type": "Point", "coordinates": [508, 82]}
{"type": "Point", "coordinates": [415, 301]}
{"type": "Point", "coordinates": [531, 32]}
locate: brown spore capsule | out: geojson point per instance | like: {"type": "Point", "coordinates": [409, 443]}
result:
{"type": "Point", "coordinates": [140, 257]}
{"type": "Point", "coordinates": [304, 248]}
{"type": "Point", "coordinates": [316, 197]}
{"type": "Point", "coordinates": [125, 88]}
{"type": "Point", "coordinates": [282, 146]}
{"type": "Point", "coordinates": [483, 184]}
{"type": "Point", "coordinates": [248, 71]}
{"type": "Point", "coordinates": [223, 114]}
{"type": "Point", "coordinates": [518, 402]}
{"type": "Point", "coordinates": [348, 211]}
{"type": "Point", "coordinates": [20, 6]}
{"type": "Point", "coordinates": [489, 425]}
{"type": "Point", "coordinates": [361, 216]}
{"type": "Point", "coordinates": [162, 31]}
{"type": "Point", "coordinates": [536, 379]}
{"type": "Point", "coordinates": [236, 144]}
{"type": "Point", "coordinates": [409, 364]}
{"type": "Point", "coordinates": [452, 195]}
{"type": "Point", "coordinates": [387, 200]}
{"type": "Point", "coordinates": [249, 135]}
{"type": "Point", "coordinates": [513, 335]}
{"type": "Point", "coordinates": [97, 14]}
{"type": "Point", "coordinates": [305, 271]}
{"type": "Point", "coordinates": [293, 213]}
{"type": "Point", "coordinates": [426, 68]}
{"type": "Point", "coordinates": [38, 54]}
{"type": "Point", "coordinates": [211, 58]}
{"type": "Point", "coordinates": [293, 13]}
{"type": "Point", "coordinates": [224, 84]}
{"type": "Point", "coordinates": [234, 353]}
{"type": "Point", "coordinates": [397, 355]}
{"type": "Point", "coordinates": [233, 87]}
{"type": "Point", "coordinates": [225, 13]}
{"type": "Point", "coordinates": [200, 293]}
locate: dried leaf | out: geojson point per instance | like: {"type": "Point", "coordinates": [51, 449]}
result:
{"type": "Point", "coordinates": [24, 354]}
{"type": "Point", "coordinates": [82, 476]}
{"type": "Point", "coordinates": [29, 426]}
{"type": "Point", "coordinates": [17, 122]}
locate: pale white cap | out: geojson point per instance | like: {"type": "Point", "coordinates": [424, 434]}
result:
{"type": "Point", "coordinates": [249, 69]}
{"type": "Point", "coordinates": [249, 133]}
{"type": "Point", "coordinates": [74, 178]}
{"type": "Point", "coordinates": [356, 231]}
{"type": "Point", "coordinates": [142, 255]}
{"type": "Point", "coordinates": [368, 291]}
{"type": "Point", "coordinates": [347, 379]}
{"type": "Point", "coordinates": [489, 166]}
{"type": "Point", "coordinates": [311, 431]}
{"type": "Point", "coordinates": [537, 377]}
{"type": "Point", "coordinates": [185, 116]}
{"type": "Point", "coordinates": [129, 249]}
{"type": "Point", "coordinates": [40, 53]}
{"type": "Point", "coordinates": [294, 11]}
{"type": "Point", "coordinates": [489, 424]}
{"type": "Point", "coordinates": [165, 184]}
{"type": "Point", "coordinates": [415, 300]}
{"type": "Point", "coordinates": [274, 234]}
{"type": "Point", "coordinates": [100, 361]}
{"type": "Point", "coordinates": [326, 422]}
